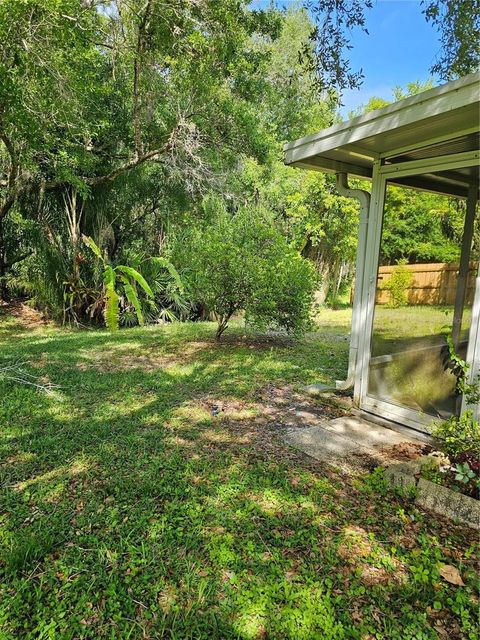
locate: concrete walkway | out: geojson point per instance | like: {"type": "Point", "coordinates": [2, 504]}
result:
{"type": "Point", "coordinates": [348, 442]}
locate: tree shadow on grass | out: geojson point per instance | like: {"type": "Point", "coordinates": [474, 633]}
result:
{"type": "Point", "coordinates": [129, 510]}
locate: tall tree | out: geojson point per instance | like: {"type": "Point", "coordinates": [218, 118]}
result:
{"type": "Point", "coordinates": [458, 24]}
{"type": "Point", "coordinates": [91, 91]}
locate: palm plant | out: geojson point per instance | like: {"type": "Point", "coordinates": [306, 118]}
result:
{"type": "Point", "coordinates": [120, 284]}
{"type": "Point", "coordinates": [170, 301]}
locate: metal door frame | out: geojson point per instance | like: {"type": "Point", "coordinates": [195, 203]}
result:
{"type": "Point", "coordinates": [381, 174]}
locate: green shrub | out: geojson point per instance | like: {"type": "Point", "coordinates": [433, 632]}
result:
{"type": "Point", "coordinates": [241, 262]}
{"type": "Point", "coordinates": [459, 435]}
{"type": "Point", "coordinates": [120, 282]}
{"type": "Point", "coordinates": [398, 284]}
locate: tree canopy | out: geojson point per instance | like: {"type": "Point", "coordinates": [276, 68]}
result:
{"type": "Point", "coordinates": [118, 118]}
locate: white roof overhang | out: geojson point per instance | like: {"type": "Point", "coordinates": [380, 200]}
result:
{"type": "Point", "coordinates": [440, 122]}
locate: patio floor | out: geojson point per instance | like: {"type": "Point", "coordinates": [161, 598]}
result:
{"type": "Point", "coordinates": [350, 441]}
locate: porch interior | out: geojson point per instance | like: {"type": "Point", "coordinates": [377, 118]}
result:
{"type": "Point", "coordinates": [429, 142]}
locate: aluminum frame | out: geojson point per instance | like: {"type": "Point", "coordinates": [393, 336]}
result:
{"type": "Point", "coordinates": [380, 177]}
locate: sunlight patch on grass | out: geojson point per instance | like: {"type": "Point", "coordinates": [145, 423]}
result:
{"type": "Point", "coordinates": [221, 548]}
{"type": "Point", "coordinates": [177, 441]}
{"type": "Point", "coordinates": [251, 622]}
{"type": "Point", "coordinates": [219, 435]}
{"type": "Point", "coordinates": [75, 468]}
{"type": "Point", "coordinates": [270, 501]}
{"type": "Point", "coordinates": [190, 412]}
{"type": "Point", "coordinates": [287, 610]}
{"type": "Point", "coordinates": [374, 564]}
{"type": "Point", "coordinates": [121, 406]}
{"type": "Point", "coordinates": [22, 457]}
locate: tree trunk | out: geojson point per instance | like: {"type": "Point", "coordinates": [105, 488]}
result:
{"type": "Point", "coordinates": [222, 325]}
{"type": "Point", "coordinates": [74, 212]}
{"type": "Point", "coordinates": [3, 266]}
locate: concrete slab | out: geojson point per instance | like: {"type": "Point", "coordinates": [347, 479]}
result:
{"type": "Point", "coordinates": [394, 426]}
{"type": "Point", "coordinates": [448, 503]}
{"type": "Point", "coordinates": [366, 433]}
{"type": "Point", "coordinates": [321, 443]}
{"type": "Point", "coordinates": [319, 389]}
{"type": "Point", "coordinates": [343, 441]}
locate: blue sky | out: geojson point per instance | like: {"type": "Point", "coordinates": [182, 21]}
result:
{"type": "Point", "coordinates": [400, 48]}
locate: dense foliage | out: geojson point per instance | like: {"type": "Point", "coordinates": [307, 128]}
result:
{"type": "Point", "coordinates": [139, 109]}
{"type": "Point", "coordinates": [398, 284]}
{"type": "Point", "coordinates": [117, 119]}
{"type": "Point", "coordinates": [459, 436]}
{"type": "Point", "coordinates": [241, 262]}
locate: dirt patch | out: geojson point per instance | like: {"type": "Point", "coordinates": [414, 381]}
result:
{"type": "Point", "coordinates": [109, 361]}
{"type": "Point", "coordinates": [274, 407]}
{"type": "Point", "coordinates": [361, 552]}
{"type": "Point", "coordinates": [405, 451]}
{"type": "Point", "coordinates": [292, 408]}
{"type": "Point", "coordinates": [258, 423]}
{"type": "Point", "coordinates": [371, 575]}
{"type": "Point", "coordinates": [254, 341]}
{"type": "Point", "coordinates": [26, 316]}
{"type": "Point", "coordinates": [355, 546]}
{"type": "Point", "coordinates": [385, 456]}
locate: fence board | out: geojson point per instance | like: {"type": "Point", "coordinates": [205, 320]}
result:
{"type": "Point", "coordinates": [434, 283]}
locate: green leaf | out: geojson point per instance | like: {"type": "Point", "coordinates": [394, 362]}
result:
{"type": "Point", "coordinates": [163, 262]}
{"type": "Point", "coordinates": [109, 275]}
{"type": "Point", "coordinates": [111, 308]}
{"type": "Point", "coordinates": [112, 299]}
{"type": "Point", "coordinates": [93, 246]}
{"type": "Point", "coordinates": [133, 273]}
{"type": "Point", "coordinates": [132, 298]}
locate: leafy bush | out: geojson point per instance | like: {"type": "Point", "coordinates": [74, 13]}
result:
{"type": "Point", "coordinates": [120, 282]}
{"type": "Point", "coordinates": [169, 302]}
{"type": "Point", "coordinates": [241, 262]}
{"type": "Point", "coordinates": [460, 435]}
{"type": "Point", "coordinates": [397, 285]}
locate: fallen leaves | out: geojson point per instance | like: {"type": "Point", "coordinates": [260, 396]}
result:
{"type": "Point", "coordinates": [451, 574]}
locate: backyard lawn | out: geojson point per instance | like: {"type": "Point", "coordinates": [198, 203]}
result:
{"type": "Point", "coordinates": [148, 495]}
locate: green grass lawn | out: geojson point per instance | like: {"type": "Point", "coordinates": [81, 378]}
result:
{"type": "Point", "coordinates": [128, 510]}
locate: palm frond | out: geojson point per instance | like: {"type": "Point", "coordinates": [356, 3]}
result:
{"type": "Point", "coordinates": [167, 315]}
{"type": "Point", "coordinates": [90, 242]}
{"type": "Point", "coordinates": [112, 299]}
{"type": "Point", "coordinates": [135, 275]}
{"type": "Point", "coordinates": [163, 262]}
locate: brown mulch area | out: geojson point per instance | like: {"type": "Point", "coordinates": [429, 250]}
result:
{"type": "Point", "coordinates": [261, 423]}
{"type": "Point", "coordinates": [406, 451]}
{"type": "Point", "coordinates": [27, 317]}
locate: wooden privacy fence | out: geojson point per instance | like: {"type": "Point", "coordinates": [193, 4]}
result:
{"type": "Point", "coordinates": [432, 283]}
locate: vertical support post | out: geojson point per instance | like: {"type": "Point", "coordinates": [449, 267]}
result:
{"type": "Point", "coordinates": [464, 266]}
{"type": "Point", "coordinates": [364, 199]}
{"type": "Point", "coordinates": [473, 352]}
{"type": "Point", "coordinates": [372, 254]}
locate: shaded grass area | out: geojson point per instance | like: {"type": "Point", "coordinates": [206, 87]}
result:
{"type": "Point", "coordinates": [128, 510]}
